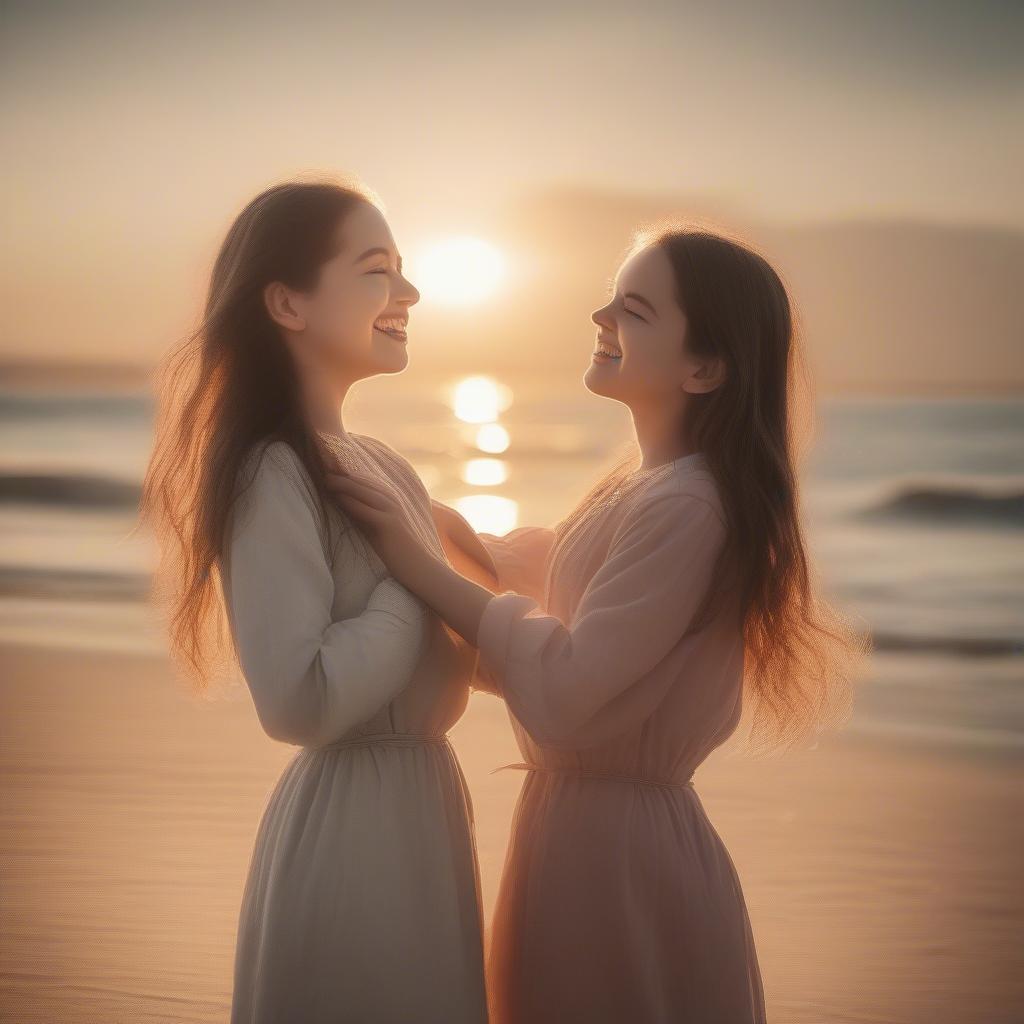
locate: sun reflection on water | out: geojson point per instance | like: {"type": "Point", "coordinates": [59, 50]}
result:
{"type": "Point", "coordinates": [489, 513]}
{"type": "Point", "coordinates": [492, 438]}
{"type": "Point", "coordinates": [480, 401]}
{"type": "Point", "coordinates": [484, 472]}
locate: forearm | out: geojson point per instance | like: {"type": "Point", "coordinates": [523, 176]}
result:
{"type": "Point", "coordinates": [465, 551]}
{"type": "Point", "coordinates": [457, 600]}
{"type": "Point", "coordinates": [309, 689]}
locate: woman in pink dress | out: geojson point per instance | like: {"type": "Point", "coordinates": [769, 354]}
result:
{"type": "Point", "coordinates": [626, 641]}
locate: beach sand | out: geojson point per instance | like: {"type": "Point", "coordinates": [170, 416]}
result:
{"type": "Point", "coordinates": [883, 879]}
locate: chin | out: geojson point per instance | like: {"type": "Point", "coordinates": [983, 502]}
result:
{"type": "Point", "coordinates": [396, 365]}
{"type": "Point", "coordinates": [599, 383]}
{"type": "Point", "coordinates": [393, 359]}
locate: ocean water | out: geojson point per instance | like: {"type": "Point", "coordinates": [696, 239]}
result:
{"type": "Point", "coordinates": [915, 512]}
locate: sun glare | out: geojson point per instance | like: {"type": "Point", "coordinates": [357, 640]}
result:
{"type": "Point", "coordinates": [492, 438]}
{"type": "Point", "coordinates": [479, 402]}
{"type": "Point", "coordinates": [459, 271]}
{"type": "Point", "coordinates": [489, 513]}
{"type": "Point", "coordinates": [485, 472]}
{"type": "Point", "coordinates": [480, 399]}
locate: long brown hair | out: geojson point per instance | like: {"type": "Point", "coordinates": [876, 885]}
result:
{"type": "Point", "coordinates": [800, 653]}
{"type": "Point", "coordinates": [230, 386]}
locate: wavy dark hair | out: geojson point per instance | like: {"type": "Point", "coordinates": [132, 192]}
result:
{"type": "Point", "coordinates": [230, 386]}
{"type": "Point", "coordinates": [800, 652]}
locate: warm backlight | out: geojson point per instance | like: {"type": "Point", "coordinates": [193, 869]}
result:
{"type": "Point", "coordinates": [458, 271]}
{"type": "Point", "coordinates": [489, 513]}
{"type": "Point", "coordinates": [493, 438]}
{"type": "Point", "coordinates": [480, 399]}
{"type": "Point", "coordinates": [485, 472]}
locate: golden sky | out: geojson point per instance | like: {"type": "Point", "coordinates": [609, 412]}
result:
{"type": "Point", "coordinates": [133, 131]}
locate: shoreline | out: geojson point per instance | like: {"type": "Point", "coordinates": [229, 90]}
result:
{"type": "Point", "coordinates": [881, 878]}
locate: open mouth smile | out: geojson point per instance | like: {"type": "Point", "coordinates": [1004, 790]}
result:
{"type": "Point", "coordinates": [604, 352]}
{"type": "Point", "coordinates": [393, 326]}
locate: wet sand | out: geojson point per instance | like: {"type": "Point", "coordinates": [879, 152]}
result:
{"type": "Point", "coordinates": [883, 879]}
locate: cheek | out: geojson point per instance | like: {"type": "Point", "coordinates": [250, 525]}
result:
{"type": "Point", "coordinates": [344, 312]}
{"type": "Point", "coordinates": [650, 358]}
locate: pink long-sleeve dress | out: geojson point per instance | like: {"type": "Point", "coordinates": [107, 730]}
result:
{"type": "Point", "coordinates": [618, 900]}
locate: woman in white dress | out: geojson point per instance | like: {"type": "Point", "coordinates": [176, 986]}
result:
{"type": "Point", "coordinates": [625, 641]}
{"type": "Point", "coordinates": [362, 902]}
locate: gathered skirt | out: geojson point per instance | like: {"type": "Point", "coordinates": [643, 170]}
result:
{"type": "Point", "coordinates": [619, 902]}
{"type": "Point", "coordinates": [362, 901]}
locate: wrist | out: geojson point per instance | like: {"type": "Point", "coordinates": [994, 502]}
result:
{"type": "Point", "coordinates": [456, 599]}
{"type": "Point", "coordinates": [424, 572]}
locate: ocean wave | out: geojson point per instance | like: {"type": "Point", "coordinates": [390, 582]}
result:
{"type": "Point", "coordinates": [958, 646]}
{"type": "Point", "coordinates": [952, 503]}
{"type": "Point", "coordinates": [73, 584]}
{"type": "Point", "coordinates": [72, 490]}
{"type": "Point", "coordinates": [69, 584]}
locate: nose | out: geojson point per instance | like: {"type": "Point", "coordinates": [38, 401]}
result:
{"type": "Point", "coordinates": [602, 317]}
{"type": "Point", "coordinates": [406, 294]}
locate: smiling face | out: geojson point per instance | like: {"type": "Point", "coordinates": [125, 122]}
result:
{"type": "Point", "coordinates": [640, 352]}
{"type": "Point", "coordinates": [353, 322]}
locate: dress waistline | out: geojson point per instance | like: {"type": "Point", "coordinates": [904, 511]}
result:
{"type": "Point", "coordinates": [390, 739]}
{"type": "Point", "coordinates": [593, 773]}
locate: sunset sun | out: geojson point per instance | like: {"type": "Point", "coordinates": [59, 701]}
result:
{"type": "Point", "coordinates": [459, 271]}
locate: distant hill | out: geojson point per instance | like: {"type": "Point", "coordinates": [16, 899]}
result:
{"type": "Point", "coordinates": [898, 306]}
{"type": "Point", "coordinates": [74, 375]}
{"type": "Point", "coordinates": [886, 306]}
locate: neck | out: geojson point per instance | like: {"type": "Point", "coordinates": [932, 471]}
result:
{"type": "Point", "coordinates": [661, 434]}
{"type": "Point", "coordinates": [323, 403]}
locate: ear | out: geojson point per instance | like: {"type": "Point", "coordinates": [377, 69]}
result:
{"type": "Point", "coordinates": [708, 377]}
{"type": "Point", "coordinates": [281, 307]}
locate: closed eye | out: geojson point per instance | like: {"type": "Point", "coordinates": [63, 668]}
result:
{"type": "Point", "coordinates": [637, 315]}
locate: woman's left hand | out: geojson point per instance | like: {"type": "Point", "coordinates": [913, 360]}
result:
{"type": "Point", "coordinates": [384, 522]}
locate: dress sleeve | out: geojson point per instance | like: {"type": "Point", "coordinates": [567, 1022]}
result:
{"type": "Point", "coordinates": [312, 679]}
{"type": "Point", "coordinates": [521, 559]}
{"type": "Point", "coordinates": [636, 609]}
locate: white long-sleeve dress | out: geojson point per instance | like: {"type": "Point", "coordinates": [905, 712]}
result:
{"type": "Point", "coordinates": [362, 902]}
{"type": "Point", "coordinates": [618, 901]}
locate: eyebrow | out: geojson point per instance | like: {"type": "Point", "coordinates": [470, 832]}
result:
{"type": "Point", "coordinates": [641, 300]}
{"type": "Point", "coordinates": [378, 251]}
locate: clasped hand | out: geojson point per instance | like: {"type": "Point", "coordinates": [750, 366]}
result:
{"type": "Point", "coordinates": [385, 523]}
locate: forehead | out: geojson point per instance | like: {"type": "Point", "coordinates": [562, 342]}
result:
{"type": "Point", "coordinates": [648, 272]}
{"type": "Point", "coordinates": [365, 228]}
